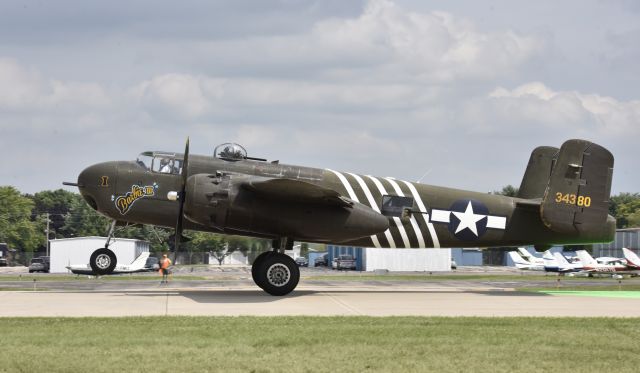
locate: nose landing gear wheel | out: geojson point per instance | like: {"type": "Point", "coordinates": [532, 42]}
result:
{"type": "Point", "coordinates": [103, 261]}
{"type": "Point", "coordinates": [277, 274]}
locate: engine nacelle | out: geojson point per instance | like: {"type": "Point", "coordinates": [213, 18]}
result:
{"type": "Point", "coordinates": [207, 200]}
{"type": "Point", "coordinates": [221, 202]}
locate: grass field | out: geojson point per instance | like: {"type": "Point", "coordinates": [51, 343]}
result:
{"type": "Point", "coordinates": [318, 344]}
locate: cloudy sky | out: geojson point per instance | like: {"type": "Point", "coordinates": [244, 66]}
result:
{"type": "Point", "coordinates": [457, 93]}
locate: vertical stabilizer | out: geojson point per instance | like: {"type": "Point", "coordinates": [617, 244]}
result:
{"type": "Point", "coordinates": [586, 259]}
{"type": "Point", "coordinates": [632, 258]}
{"type": "Point", "coordinates": [536, 177]}
{"type": "Point", "coordinates": [576, 200]}
{"type": "Point", "coordinates": [518, 260]}
{"type": "Point", "coordinates": [140, 261]}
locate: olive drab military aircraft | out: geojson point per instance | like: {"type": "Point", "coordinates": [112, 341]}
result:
{"type": "Point", "coordinates": [563, 199]}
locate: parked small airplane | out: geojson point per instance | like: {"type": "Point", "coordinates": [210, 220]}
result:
{"type": "Point", "coordinates": [526, 255]}
{"type": "Point", "coordinates": [523, 263]}
{"type": "Point", "coordinates": [564, 265]}
{"type": "Point", "coordinates": [138, 265]}
{"type": "Point", "coordinates": [613, 265]}
{"type": "Point", "coordinates": [563, 199]}
{"type": "Point", "coordinates": [633, 261]}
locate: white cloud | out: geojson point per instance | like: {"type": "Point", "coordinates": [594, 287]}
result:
{"type": "Point", "coordinates": [23, 89]}
{"type": "Point", "coordinates": [536, 103]}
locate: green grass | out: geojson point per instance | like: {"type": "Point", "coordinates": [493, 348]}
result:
{"type": "Point", "coordinates": [319, 344]}
{"type": "Point", "coordinates": [564, 287]}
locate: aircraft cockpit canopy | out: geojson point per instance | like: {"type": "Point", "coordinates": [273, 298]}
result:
{"type": "Point", "coordinates": [159, 162]}
{"type": "Point", "coordinates": [230, 151]}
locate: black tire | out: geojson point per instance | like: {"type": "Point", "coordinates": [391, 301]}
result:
{"type": "Point", "coordinates": [103, 261]}
{"type": "Point", "coordinates": [256, 265]}
{"type": "Point", "coordinates": [278, 274]}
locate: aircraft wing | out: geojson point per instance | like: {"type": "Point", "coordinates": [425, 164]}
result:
{"type": "Point", "coordinates": [296, 190]}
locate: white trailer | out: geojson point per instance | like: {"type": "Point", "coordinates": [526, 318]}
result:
{"type": "Point", "coordinates": [409, 260]}
{"type": "Point", "coordinates": [68, 251]}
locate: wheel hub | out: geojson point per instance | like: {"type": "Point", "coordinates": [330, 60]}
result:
{"type": "Point", "coordinates": [103, 261]}
{"type": "Point", "coordinates": [278, 274]}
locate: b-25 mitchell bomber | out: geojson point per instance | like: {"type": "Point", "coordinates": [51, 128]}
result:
{"type": "Point", "coordinates": [563, 199]}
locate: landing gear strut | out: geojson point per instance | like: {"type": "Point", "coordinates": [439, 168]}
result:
{"type": "Point", "coordinates": [103, 261]}
{"type": "Point", "coordinates": [275, 272]}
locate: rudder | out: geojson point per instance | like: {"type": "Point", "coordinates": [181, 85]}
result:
{"type": "Point", "coordinates": [576, 199]}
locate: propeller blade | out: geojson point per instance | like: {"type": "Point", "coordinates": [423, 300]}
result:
{"type": "Point", "coordinates": [181, 199]}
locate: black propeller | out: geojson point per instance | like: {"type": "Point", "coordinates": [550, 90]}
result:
{"type": "Point", "coordinates": [181, 200]}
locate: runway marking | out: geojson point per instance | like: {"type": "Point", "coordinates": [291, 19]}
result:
{"type": "Point", "coordinates": [343, 304]}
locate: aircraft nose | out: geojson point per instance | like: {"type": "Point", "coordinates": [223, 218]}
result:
{"type": "Point", "coordinates": [96, 182]}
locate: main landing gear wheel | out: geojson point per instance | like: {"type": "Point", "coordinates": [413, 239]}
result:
{"type": "Point", "coordinates": [277, 274]}
{"type": "Point", "coordinates": [103, 261]}
{"type": "Point", "coordinates": [256, 264]}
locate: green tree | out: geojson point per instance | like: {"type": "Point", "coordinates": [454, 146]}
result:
{"type": "Point", "coordinates": [17, 228]}
{"type": "Point", "coordinates": [56, 204]}
{"type": "Point", "coordinates": [509, 191]}
{"type": "Point", "coordinates": [82, 220]}
{"type": "Point", "coordinates": [625, 207]}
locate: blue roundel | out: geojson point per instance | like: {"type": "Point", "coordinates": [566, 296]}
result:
{"type": "Point", "coordinates": [468, 220]}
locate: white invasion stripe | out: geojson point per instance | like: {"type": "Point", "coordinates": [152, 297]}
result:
{"type": "Point", "coordinates": [352, 195]}
{"type": "Point", "coordinates": [367, 192]}
{"type": "Point", "coordinates": [423, 209]}
{"type": "Point", "coordinates": [346, 184]}
{"type": "Point", "coordinates": [498, 222]}
{"type": "Point", "coordinates": [372, 203]}
{"type": "Point", "coordinates": [440, 216]}
{"type": "Point", "coordinates": [403, 233]}
{"type": "Point", "coordinates": [383, 192]}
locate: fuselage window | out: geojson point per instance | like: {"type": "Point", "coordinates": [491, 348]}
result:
{"type": "Point", "coordinates": [395, 205]}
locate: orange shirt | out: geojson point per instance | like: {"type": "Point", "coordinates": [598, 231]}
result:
{"type": "Point", "coordinates": [165, 263]}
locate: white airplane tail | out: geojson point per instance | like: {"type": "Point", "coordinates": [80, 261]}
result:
{"type": "Point", "coordinates": [561, 259]}
{"type": "Point", "coordinates": [525, 254]}
{"type": "Point", "coordinates": [140, 261]}
{"type": "Point", "coordinates": [518, 260]}
{"type": "Point", "coordinates": [632, 258]}
{"type": "Point", "coordinates": [586, 259]}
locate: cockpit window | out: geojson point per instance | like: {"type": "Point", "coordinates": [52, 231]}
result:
{"type": "Point", "coordinates": [160, 163]}
{"type": "Point", "coordinates": [230, 151]}
{"type": "Point", "coordinates": [144, 160]}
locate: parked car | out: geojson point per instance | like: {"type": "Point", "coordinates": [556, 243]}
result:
{"type": "Point", "coordinates": [344, 262]}
{"type": "Point", "coordinates": [302, 261]}
{"type": "Point", "coordinates": [321, 260]}
{"type": "Point", "coordinates": [3, 262]}
{"type": "Point", "coordinates": [152, 264]}
{"type": "Point", "coordinates": [39, 264]}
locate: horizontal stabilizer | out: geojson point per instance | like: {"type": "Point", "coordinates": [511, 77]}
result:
{"type": "Point", "coordinates": [576, 199]}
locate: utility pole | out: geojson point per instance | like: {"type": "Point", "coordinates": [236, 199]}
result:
{"type": "Point", "coordinates": [47, 241]}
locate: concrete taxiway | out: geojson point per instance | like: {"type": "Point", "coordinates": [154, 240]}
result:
{"type": "Point", "coordinates": [308, 300]}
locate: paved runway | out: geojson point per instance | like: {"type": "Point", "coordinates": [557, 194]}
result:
{"type": "Point", "coordinates": [313, 300]}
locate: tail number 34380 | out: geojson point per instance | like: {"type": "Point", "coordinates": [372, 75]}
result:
{"type": "Point", "coordinates": [572, 199]}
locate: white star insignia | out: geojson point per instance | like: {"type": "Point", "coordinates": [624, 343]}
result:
{"type": "Point", "coordinates": [468, 219]}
